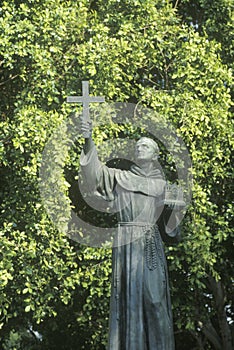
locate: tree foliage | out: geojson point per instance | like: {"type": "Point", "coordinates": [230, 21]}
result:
{"type": "Point", "coordinates": [174, 57]}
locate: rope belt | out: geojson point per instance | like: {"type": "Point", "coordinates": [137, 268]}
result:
{"type": "Point", "coordinates": [153, 248]}
{"type": "Point", "coordinates": [153, 243]}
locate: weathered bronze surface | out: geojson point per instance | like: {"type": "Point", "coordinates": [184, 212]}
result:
{"type": "Point", "coordinates": [140, 307]}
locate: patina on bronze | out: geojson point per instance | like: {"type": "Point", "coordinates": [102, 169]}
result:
{"type": "Point", "coordinates": [140, 306]}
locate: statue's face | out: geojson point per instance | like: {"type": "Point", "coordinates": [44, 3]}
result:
{"type": "Point", "coordinates": [145, 150]}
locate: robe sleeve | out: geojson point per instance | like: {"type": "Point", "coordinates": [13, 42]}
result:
{"type": "Point", "coordinates": [169, 225]}
{"type": "Point", "coordinates": [99, 178]}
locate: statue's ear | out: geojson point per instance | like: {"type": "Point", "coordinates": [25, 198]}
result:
{"type": "Point", "coordinates": [155, 157]}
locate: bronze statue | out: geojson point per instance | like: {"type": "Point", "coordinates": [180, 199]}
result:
{"type": "Point", "coordinates": [140, 307]}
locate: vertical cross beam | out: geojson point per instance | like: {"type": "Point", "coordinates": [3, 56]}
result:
{"type": "Point", "coordinates": [85, 99]}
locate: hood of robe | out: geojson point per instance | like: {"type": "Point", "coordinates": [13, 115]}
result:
{"type": "Point", "coordinates": [136, 180]}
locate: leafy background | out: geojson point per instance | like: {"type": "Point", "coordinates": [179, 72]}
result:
{"type": "Point", "coordinates": [175, 57]}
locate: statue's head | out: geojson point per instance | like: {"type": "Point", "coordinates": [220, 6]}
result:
{"type": "Point", "coordinates": [146, 150]}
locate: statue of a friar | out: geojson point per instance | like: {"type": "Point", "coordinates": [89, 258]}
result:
{"type": "Point", "coordinates": [140, 307]}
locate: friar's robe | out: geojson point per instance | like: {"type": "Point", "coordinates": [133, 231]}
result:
{"type": "Point", "coordinates": [140, 307]}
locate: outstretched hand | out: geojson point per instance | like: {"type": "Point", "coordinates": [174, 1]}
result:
{"type": "Point", "coordinates": [86, 128]}
{"type": "Point", "coordinates": [86, 131]}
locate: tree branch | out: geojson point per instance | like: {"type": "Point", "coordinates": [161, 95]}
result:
{"type": "Point", "coordinates": [11, 78]}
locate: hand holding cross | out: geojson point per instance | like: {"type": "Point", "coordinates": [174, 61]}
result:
{"type": "Point", "coordinates": [85, 99]}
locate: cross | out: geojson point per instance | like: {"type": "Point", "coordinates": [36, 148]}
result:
{"type": "Point", "coordinates": [85, 99]}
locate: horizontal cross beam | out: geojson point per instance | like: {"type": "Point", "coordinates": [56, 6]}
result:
{"type": "Point", "coordinates": [85, 99]}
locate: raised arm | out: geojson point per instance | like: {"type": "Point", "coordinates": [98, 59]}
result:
{"type": "Point", "coordinates": [99, 177]}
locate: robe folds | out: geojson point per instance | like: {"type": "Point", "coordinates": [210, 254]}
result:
{"type": "Point", "coordinates": [140, 306]}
